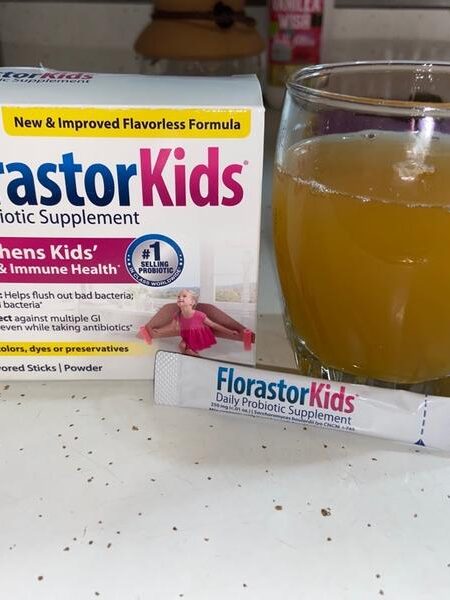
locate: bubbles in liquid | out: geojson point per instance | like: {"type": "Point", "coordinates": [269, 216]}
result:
{"type": "Point", "coordinates": [325, 189]}
{"type": "Point", "coordinates": [422, 82]}
{"type": "Point", "coordinates": [365, 285]}
{"type": "Point", "coordinates": [409, 170]}
{"type": "Point", "coordinates": [416, 159]}
{"type": "Point", "coordinates": [417, 152]}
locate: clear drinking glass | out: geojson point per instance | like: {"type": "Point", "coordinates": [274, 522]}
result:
{"type": "Point", "coordinates": [361, 209]}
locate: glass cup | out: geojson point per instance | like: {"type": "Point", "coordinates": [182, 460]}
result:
{"type": "Point", "coordinates": [361, 209]}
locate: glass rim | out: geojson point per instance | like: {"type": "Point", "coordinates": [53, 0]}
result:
{"type": "Point", "coordinates": [298, 86]}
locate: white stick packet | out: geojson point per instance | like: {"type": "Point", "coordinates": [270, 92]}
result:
{"type": "Point", "coordinates": [193, 382]}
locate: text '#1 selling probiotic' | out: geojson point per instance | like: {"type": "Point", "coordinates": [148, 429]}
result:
{"type": "Point", "coordinates": [193, 382]}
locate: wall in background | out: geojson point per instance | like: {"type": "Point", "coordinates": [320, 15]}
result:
{"type": "Point", "coordinates": [99, 36]}
{"type": "Point", "coordinates": [73, 36]}
{"type": "Point", "coordinates": [380, 33]}
{"type": "Point", "coordinates": [92, 36]}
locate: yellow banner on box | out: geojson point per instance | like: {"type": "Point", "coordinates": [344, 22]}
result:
{"type": "Point", "coordinates": [45, 121]}
{"type": "Point", "coordinates": [67, 349]}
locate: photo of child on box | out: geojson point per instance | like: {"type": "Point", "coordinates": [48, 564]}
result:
{"type": "Point", "coordinates": [195, 325]}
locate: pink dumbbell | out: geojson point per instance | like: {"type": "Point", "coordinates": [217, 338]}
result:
{"type": "Point", "coordinates": [247, 338]}
{"type": "Point", "coordinates": [145, 334]}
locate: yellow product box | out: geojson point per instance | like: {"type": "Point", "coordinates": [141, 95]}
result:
{"type": "Point", "coordinates": [129, 218]}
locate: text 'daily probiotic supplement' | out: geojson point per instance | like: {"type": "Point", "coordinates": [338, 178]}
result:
{"type": "Point", "coordinates": [249, 392]}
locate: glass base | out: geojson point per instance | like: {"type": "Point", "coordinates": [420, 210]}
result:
{"type": "Point", "coordinates": [310, 366]}
{"type": "Point", "coordinates": [208, 68]}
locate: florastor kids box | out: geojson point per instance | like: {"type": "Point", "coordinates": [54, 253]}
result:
{"type": "Point", "coordinates": [129, 221]}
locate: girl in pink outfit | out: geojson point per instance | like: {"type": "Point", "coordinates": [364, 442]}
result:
{"type": "Point", "coordinates": [196, 330]}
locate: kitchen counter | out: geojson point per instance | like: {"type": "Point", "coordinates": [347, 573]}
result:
{"type": "Point", "coordinates": [105, 495]}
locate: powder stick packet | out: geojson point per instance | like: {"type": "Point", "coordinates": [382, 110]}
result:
{"type": "Point", "coordinates": [407, 417]}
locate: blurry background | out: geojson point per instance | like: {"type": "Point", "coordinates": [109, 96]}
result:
{"type": "Point", "coordinates": [99, 36]}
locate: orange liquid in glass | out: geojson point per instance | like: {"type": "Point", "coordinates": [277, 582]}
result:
{"type": "Point", "coordinates": [362, 239]}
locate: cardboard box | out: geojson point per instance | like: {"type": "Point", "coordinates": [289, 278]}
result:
{"type": "Point", "coordinates": [118, 195]}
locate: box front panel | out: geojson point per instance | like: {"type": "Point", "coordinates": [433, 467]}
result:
{"type": "Point", "coordinates": [106, 215]}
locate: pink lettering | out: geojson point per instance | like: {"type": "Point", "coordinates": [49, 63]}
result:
{"type": "Point", "coordinates": [322, 397]}
{"type": "Point", "coordinates": [234, 186]}
{"type": "Point", "coordinates": [76, 76]}
{"type": "Point", "coordinates": [349, 407]}
{"type": "Point", "coordinates": [314, 398]}
{"type": "Point", "coordinates": [202, 183]}
{"type": "Point", "coordinates": [152, 177]}
{"type": "Point", "coordinates": [210, 175]}
{"type": "Point", "coordinates": [337, 399]}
